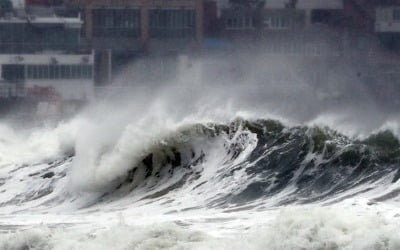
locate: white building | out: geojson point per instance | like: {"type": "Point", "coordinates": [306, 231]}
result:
{"type": "Point", "coordinates": [71, 76]}
{"type": "Point", "coordinates": [46, 52]}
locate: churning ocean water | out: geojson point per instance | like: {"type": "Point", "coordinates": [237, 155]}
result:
{"type": "Point", "coordinates": [244, 184]}
{"type": "Point", "coordinates": [205, 167]}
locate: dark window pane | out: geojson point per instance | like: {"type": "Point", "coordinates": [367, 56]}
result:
{"type": "Point", "coordinates": [116, 22]}
{"type": "Point", "coordinates": [172, 23]}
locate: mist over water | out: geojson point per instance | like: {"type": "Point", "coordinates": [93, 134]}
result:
{"type": "Point", "coordinates": [257, 85]}
{"type": "Point", "coordinates": [235, 151]}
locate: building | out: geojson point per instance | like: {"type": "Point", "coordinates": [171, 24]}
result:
{"type": "Point", "coordinates": [387, 25]}
{"type": "Point", "coordinates": [287, 27]}
{"type": "Point", "coordinates": [315, 11]}
{"type": "Point", "coordinates": [123, 30]}
{"type": "Point", "coordinates": [44, 53]}
{"type": "Point", "coordinates": [307, 33]}
{"type": "Point", "coordinates": [69, 75]}
{"type": "Point", "coordinates": [31, 34]}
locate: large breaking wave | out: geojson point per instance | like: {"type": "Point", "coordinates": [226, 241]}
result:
{"type": "Point", "coordinates": [233, 169]}
{"type": "Point", "coordinates": [163, 165]}
{"type": "Point", "coordinates": [249, 161]}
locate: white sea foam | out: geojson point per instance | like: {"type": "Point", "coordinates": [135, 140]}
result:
{"type": "Point", "coordinates": [293, 228]}
{"type": "Point", "coordinates": [23, 146]}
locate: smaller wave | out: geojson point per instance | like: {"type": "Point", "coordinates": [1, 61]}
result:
{"type": "Point", "coordinates": [37, 145]}
{"type": "Point", "coordinates": [328, 228]}
{"type": "Point", "coordinates": [163, 236]}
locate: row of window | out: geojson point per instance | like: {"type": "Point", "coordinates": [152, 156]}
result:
{"type": "Point", "coordinates": [172, 23]}
{"type": "Point", "coordinates": [116, 32]}
{"type": "Point", "coordinates": [276, 22]}
{"type": "Point", "coordinates": [113, 18]}
{"type": "Point", "coordinates": [172, 19]}
{"type": "Point", "coordinates": [247, 22]}
{"type": "Point", "coordinates": [297, 48]}
{"type": "Point", "coordinates": [50, 37]}
{"type": "Point", "coordinates": [126, 23]}
{"type": "Point", "coordinates": [116, 22]}
{"type": "Point", "coordinates": [244, 22]}
{"type": "Point", "coordinates": [14, 72]}
{"type": "Point", "coordinates": [107, 23]}
{"type": "Point", "coordinates": [59, 71]}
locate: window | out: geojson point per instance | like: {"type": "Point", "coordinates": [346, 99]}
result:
{"type": "Point", "coordinates": [172, 23]}
{"type": "Point", "coordinates": [28, 37]}
{"type": "Point", "coordinates": [276, 22]}
{"type": "Point", "coordinates": [13, 72]}
{"type": "Point", "coordinates": [116, 22]}
{"type": "Point", "coordinates": [248, 22]}
{"type": "Point", "coordinates": [59, 71]}
{"type": "Point", "coordinates": [11, 37]}
{"type": "Point", "coordinates": [240, 22]}
{"type": "Point", "coordinates": [325, 16]}
{"type": "Point", "coordinates": [396, 14]}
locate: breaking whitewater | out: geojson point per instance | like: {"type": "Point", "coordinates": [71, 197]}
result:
{"type": "Point", "coordinates": [244, 184]}
{"type": "Point", "coordinates": [277, 165]}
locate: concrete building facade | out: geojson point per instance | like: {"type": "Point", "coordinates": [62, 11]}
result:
{"type": "Point", "coordinates": [45, 53]}
{"type": "Point", "coordinates": [122, 30]}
